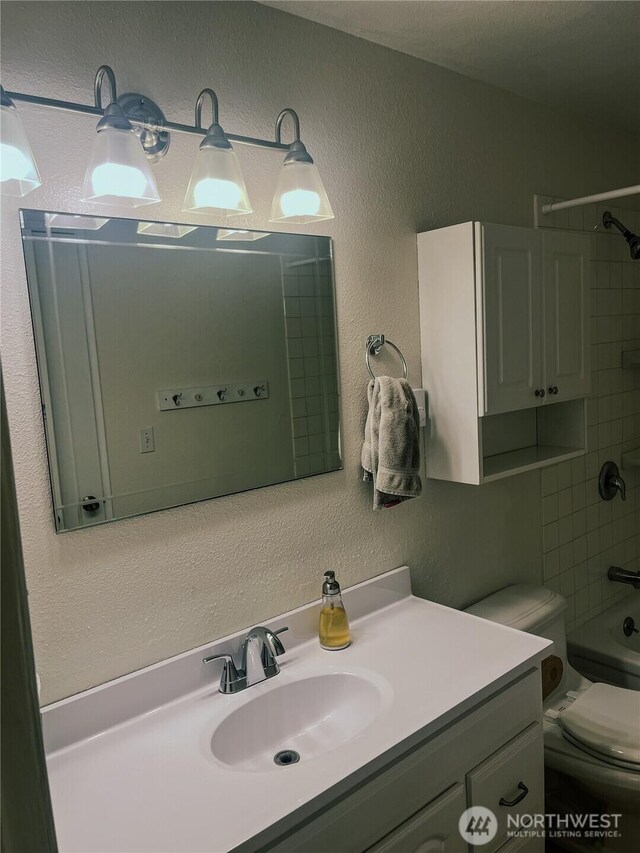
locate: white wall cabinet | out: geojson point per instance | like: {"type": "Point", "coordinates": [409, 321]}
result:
{"type": "Point", "coordinates": [505, 324]}
{"type": "Point", "coordinates": [566, 300]}
{"type": "Point", "coordinates": [510, 275]}
{"type": "Point", "coordinates": [534, 303]}
{"type": "Point", "coordinates": [486, 758]}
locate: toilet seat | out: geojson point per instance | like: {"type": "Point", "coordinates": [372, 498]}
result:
{"type": "Point", "coordinates": [605, 781]}
{"type": "Point", "coordinates": [605, 722]}
{"type": "Point", "coordinates": [612, 762]}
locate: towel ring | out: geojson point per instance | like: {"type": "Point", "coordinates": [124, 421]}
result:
{"type": "Point", "coordinates": [374, 345]}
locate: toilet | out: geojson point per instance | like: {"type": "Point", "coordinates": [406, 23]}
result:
{"type": "Point", "coordinates": [591, 730]}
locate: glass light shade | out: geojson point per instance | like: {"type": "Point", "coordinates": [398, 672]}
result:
{"type": "Point", "coordinates": [300, 196]}
{"type": "Point", "coordinates": [165, 229]}
{"type": "Point", "coordinates": [74, 220]}
{"type": "Point", "coordinates": [118, 172]}
{"type": "Point", "coordinates": [216, 184]}
{"type": "Point", "coordinates": [18, 171]}
{"type": "Point", "coordinates": [240, 235]}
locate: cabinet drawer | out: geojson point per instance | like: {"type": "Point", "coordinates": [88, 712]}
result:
{"type": "Point", "coordinates": [510, 782]}
{"type": "Point", "coordinates": [432, 830]}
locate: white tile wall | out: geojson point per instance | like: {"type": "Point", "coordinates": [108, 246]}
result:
{"type": "Point", "coordinates": [581, 534]}
{"type": "Point", "coordinates": [310, 329]}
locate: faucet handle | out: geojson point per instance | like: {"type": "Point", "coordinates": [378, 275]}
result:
{"type": "Point", "coordinates": [231, 680]}
{"type": "Point", "coordinates": [275, 643]}
{"type": "Point", "coordinates": [610, 482]}
{"type": "Point", "coordinates": [271, 649]}
{"type": "Point", "coordinates": [621, 486]}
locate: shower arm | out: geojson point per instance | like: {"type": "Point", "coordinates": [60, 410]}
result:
{"type": "Point", "coordinates": [608, 220]}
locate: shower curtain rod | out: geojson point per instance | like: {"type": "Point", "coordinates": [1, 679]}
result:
{"type": "Point", "coordinates": [588, 199]}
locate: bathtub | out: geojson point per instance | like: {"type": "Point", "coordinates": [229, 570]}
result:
{"type": "Point", "coordinates": [601, 650]}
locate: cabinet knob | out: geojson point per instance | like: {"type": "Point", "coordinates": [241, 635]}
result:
{"type": "Point", "coordinates": [539, 392]}
{"type": "Point", "coordinates": [553, 389]}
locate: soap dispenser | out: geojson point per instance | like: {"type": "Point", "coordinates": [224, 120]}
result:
{"type": "Point", "coordinates": [333, 630]}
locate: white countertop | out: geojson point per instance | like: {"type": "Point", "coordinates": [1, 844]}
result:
{"type": "Point", "coordinates": [142, 778]}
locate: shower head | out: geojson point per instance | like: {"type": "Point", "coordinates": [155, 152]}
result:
{"type": "Point", "coordinates": [632, 239]}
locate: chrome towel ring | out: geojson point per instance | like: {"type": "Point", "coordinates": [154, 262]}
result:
{"type": "Point", "coordinates": [374, 345]}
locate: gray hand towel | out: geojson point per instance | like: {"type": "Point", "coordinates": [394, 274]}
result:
{"type": "Point", "coordinates": [391, 449]}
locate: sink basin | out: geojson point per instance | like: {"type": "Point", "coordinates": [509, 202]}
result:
{"type": "Point", "coordinates": [307, 717]}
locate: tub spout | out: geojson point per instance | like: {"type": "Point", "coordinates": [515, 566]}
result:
{"type": "Point", "coordinates": [615, 573]}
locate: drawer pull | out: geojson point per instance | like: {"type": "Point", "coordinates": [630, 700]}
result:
{"type": "Point", "coordinates": [523, 793]}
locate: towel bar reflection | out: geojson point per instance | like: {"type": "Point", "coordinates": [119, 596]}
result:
{"type": "Point", "coordinates": [374, 345]}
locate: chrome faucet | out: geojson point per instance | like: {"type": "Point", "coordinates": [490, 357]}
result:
{"type": "Point", "coordinates": [615, 573]}
{"type": "Point", "coordinates": [259, 650]}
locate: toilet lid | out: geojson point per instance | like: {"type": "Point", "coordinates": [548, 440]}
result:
{"type": "Point", "coordinates": [520, 606]}
{"type": "Point", "coordinates": [605, 721]}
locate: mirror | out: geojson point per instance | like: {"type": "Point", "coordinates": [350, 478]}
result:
{"type": "Point", "coordinates": [178, 362]}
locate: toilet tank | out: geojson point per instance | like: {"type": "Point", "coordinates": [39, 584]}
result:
{"type": "Point", "coordinates": [534, 609]}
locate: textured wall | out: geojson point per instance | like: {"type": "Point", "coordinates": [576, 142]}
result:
{"type": "Point", "coordinates": [403, 146]}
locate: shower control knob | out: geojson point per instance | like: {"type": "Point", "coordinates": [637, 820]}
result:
{"type": "Point", "coordinates": [553, 389]}
{"type": "Point", "coordinates": [539, 392]}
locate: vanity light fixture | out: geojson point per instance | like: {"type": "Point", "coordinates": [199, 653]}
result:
{"type": "Point", "coordinates": [133, 132]}
{"type": "Point", "coordinates": [240, 235]}
{"type": "Point", "coordinates": [165, 229]}
{"type": "Point", "coordinates": [18, 171]}
{"type": "Point", "coordinates": [300, 196]}
{"type": "Point", "coordinates": [216, 184]}
{"type": "Point", "coordinates": [74, 221]}
{"type": "Point", "coordinates": [118, 170]}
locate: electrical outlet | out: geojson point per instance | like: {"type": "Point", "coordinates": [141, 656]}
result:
{"type": "Point", "coordinates": [147, 441]}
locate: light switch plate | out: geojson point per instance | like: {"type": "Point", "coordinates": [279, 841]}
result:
{"type": "Point", "coordinates": [147, 440]}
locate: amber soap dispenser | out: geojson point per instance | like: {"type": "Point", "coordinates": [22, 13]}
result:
{"type": "Point", "coordinates": [333, 630]}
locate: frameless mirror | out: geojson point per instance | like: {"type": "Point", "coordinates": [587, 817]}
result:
{"type": "Point", "coordinates": [177, 362]}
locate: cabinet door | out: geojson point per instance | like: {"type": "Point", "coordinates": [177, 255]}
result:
{"type": "Point", "coordinates": [432, 830]}
{"type": "Point", "coordinates": [510, 783]}
{"type": "Point", "coordinates": [511, 289]}
{"type": "Point", "coordinates": [566, 315]}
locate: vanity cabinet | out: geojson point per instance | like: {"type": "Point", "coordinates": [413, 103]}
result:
{"type": "Point", "coordinates": [493, 757]}
{"type": "Point", "coordinates": [506, 770]}
{"type": "Point", "coordinates": [433, 830]}
{"type": "Point", "coordinates": [505, 325]}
